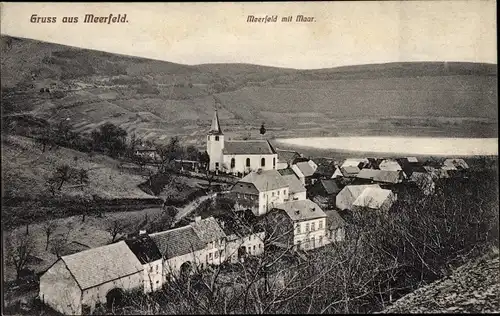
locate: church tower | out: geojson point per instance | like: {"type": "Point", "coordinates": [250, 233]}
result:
{"type": "Point", "coordinates": [215, 144]}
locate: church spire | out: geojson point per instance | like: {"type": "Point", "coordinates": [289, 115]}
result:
{"type": "Point", "coordinates": [215, 129]}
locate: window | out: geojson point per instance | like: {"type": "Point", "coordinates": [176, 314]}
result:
{"type": "Point", "coordinates": [313, 226]}
{"type": "Point", "coordinates": [278, 192]}
{"type": "Point", "coordinates": [216, 254]}
{"type": "Point", "coordinates": [157, 267]}
{"type": "Point", "coordinates": [254, 248]}
{"type": "Point", "coordinates": [260, 246]}
{"type": "Point", "coordinates": [151, 269]}
{"type": "Point", "coordinates": [297, 229]}
{"type": "Point", "coordinates": [208, 137]}
{"type": "Point", "coordinates": [274, 163]}
{"type": "Point", "coordinates": [320, 224]}
{"type": "Point", "coordinates": [248, 162]}
{"type": "Point", "coordinates": [284, 192]}
{"type": "Point", "coordinates": [307, 227]}
{"type": "Point", "coordinates": [216, 138]}
{"type": "Point", "coordinates": [272, 194]}
{"type": "Point", "coordinates": [216, 165]}
{"type": "Point", "coordinates": [207, 258]}
{"type": "Point", "coordinates": [263, 162]}
{"type": "Point", "coordinates": [210, 256]}
{"type": "Point", "coordinates": [157, 282]}
{"type": "Point", "coordinates": [233, 163]}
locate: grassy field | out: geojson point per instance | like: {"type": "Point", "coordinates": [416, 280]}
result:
{"type": "Point", "coordinates": [25, 170]}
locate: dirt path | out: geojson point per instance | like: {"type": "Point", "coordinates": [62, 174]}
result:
{"type": "Point", "coordinates": [192, 206]}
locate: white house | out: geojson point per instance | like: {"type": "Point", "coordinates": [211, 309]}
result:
{"type": "Point", "coordinates": [346, 197]}
{"type": "Point", "coordinates": [213, 237]}
{"type": "Point", "coordinates": [263, 189]}
{"type": "Point", "coordinates": [150, 257]}
{"type": "Point", "coordinates": [238, 157]}
{"type": "Point", "coordinates": [374, 199]}
{"type": "Point", "coordinates": [240, 245]}
{"type": "Point", "coordinates": [304, 171]}
{"type": "Point", "coordinates": [307, 221]}
{"type": "Point", "coordinates": [354, 162]}
{"type": "Point", "coordinates": [337, 173]}
{"type": "Point", "coordinates": [182, 251]}
{"type": "Point", "coordinates": [390, 165]}
{"type": "Point", "coordinates": [75, 284]}
{"type": "Point", "coordinates": [296, 191]}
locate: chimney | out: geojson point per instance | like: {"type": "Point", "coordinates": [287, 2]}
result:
{"type": "Point", "coordinates": [197, 219]}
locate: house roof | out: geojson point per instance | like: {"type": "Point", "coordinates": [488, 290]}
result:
{"type": "Point", "coordinates": [334, 220]}
{"type": "Point", "coordinates": [301, 210]}
{"type": "Point", "coordinates": [287, 171]}
{"type": "Point", "coordinates": [306, 168]}
{"type": "Point", "coordinates": [248, 147]}
{"type": "Point", "coordinates": [102, 264]}
{"type": "Point", "coordinates": [385, 176]}
{"type": "Point", "coordinates": [287, 155]}
{"type": "Point", "coordinates": [356, 190]}
{"type": "Point", "coordinates": [330, 186]}
{"type": "Point", "coordinates": [177, 242]}
{"type": "Point", "coordinates": [456, 162]}
{"type": "Point", "coordinates": [412, 159]}
{"type": "Point", "coordinates": [349, 170]}
{"type": "Point", "coordinates": [389, 165]}
{"type": "Point", "coordinates": [353, 162]}
{"type": "Point", "coordinates": [144, 248]}
{"type": "Point", "coordinates": [265, 180]}
{"type": "Point", "coordinates": [215, 128]}
{"type": "Point", "coordinates": [208, 230]}
{"type": "Point", "coordinates": [372, 198]}
{"type": "Point", "coordinates": [294, 184]}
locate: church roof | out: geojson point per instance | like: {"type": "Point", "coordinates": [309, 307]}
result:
{"type": "Point", "coordinates": [248, 147]}
{"type": "Point", "coordinates": [215, 128]}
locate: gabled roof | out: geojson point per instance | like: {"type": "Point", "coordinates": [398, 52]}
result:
{"type": "Point", "coordinates": [353, 162]}
{"type": "Point", "coordinates": [177, 242]}
{"type": "Point", "coordinates": [334, 220]}
{"type": "Point", "coordinates": [248, 147]}
{"type": "Point", "coordinates": [306, 168]}
{"type": "Point", "coordinates": [144, 248]}
{"type": "Point", "coordinates": [294, 184]}
{"type": "Point", "coordinates": [215, 128]}
{"type": "Point", "coordinates": [208, 230]}
{"type": "Point", "coordinates": [356, 190]}
{"type": "Point", "coordinates": [349, 171]}
{"type": "Point", "coordinates": [458, 163]}
{"type": "Point", "coordinates": [372, 198]}
{"type": "Point", "coordinates": [389, 165]}
{"type": "Point", "coordinates": [301, 210]}
{"type": "Point", "coordinates": [265, 180]}
{"type": "Point", "coordinates": [384, 176]}
{"type": "Point", "coordinates": [287, 155]}
{"type": "Point", "coordinates": [102, 264]}
{"type": "Point", "coordinates": [330, 186]}
{"type": "Point", "coordinates": [286, 172]}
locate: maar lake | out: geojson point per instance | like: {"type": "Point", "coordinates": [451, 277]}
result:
{"type": "Point", "coordinates": [436, 146]}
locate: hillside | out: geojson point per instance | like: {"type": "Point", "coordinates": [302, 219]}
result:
{"type": "Point", "coordinates": [472, 288]}
{"type": "Point", "coordinates": [158, 99]}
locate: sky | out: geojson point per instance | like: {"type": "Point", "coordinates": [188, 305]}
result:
{"type": "Point", "coordinates": [343, 33]}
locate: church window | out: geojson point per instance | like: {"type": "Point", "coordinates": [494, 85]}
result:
{"type": "Point", "coordinates": [248, 162]}
{"type": "Point", "coordinates": [263, 162]}
{"type": "Point", "coordinates": [216, 138]}
{"type": "Point", "coordinates": [233, 162]}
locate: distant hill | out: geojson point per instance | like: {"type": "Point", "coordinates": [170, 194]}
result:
{"type": "Point", "coordinates": [157, 99]}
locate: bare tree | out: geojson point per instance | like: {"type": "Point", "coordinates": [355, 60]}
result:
{"type": "Point", "coordinates": [48, 227]}
{"type": "Point", "coordinates": [116, 227]}
{"type": "Point", "coordinates": [18, 250]}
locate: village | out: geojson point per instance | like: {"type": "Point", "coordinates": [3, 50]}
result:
{"type": "Point", "coordinates": [282, 201]}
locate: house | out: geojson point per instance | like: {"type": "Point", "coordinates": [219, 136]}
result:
{"type": "Point", "coordinates": [242, 240]}
{"type": "Point", "coordinates": [424, 181]}
{"type": "Point", "coordinates": [150, 257]}
{"type": "Point", "coordinates": [263, 189]}
{"type": "Point", "coordinates": [286, 158]}
{"type": "Point", "coordinates": [304, 223]}
{"type": "Point", "coordinates": [296, 191]}
{"type": "Point", "coordinates": [374, 199]}
{"type": "Point", "coordinates": [213, 237]}
{"type": "Point", "coordinates": [238, 157]}
{"type": "Point", "coordinates": [145, 151]}
{"type": "Point", "coordinates": [409, 167]}
{"type": "Point", "coordinates": [305, 171]}
{"type": "Point", "coordinates": [385, 177]}
{"type": "Point", "coordinates": [325, 188]}
{"type": "Point", "coordinates": [346, 197]}
{"type": "Point", "coordinates": [182, 251]}
{"type": "Point", "coordinates": [354, 162]}
{"type": "Point", "coordinates": [337, 173]}
{"type": "Point", "coordinates": [75, 284]}
{"type": "Point", "coordinates": [350, 171]}
{"type": "Point", "coordinates": [389, 165]}
{"type": "Point", "coordinates": [325, 170]}
{"type": "Point", "coordinates": [455, 164]}
{"type": "Point", "coordinates": [335, 225]}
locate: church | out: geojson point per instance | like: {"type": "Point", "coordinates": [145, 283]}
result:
{"type": "Point", "coordinates": [238, 157]}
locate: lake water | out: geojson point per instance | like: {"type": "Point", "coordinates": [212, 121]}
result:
{"type": "Point", "coordinates": [435, 146]}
